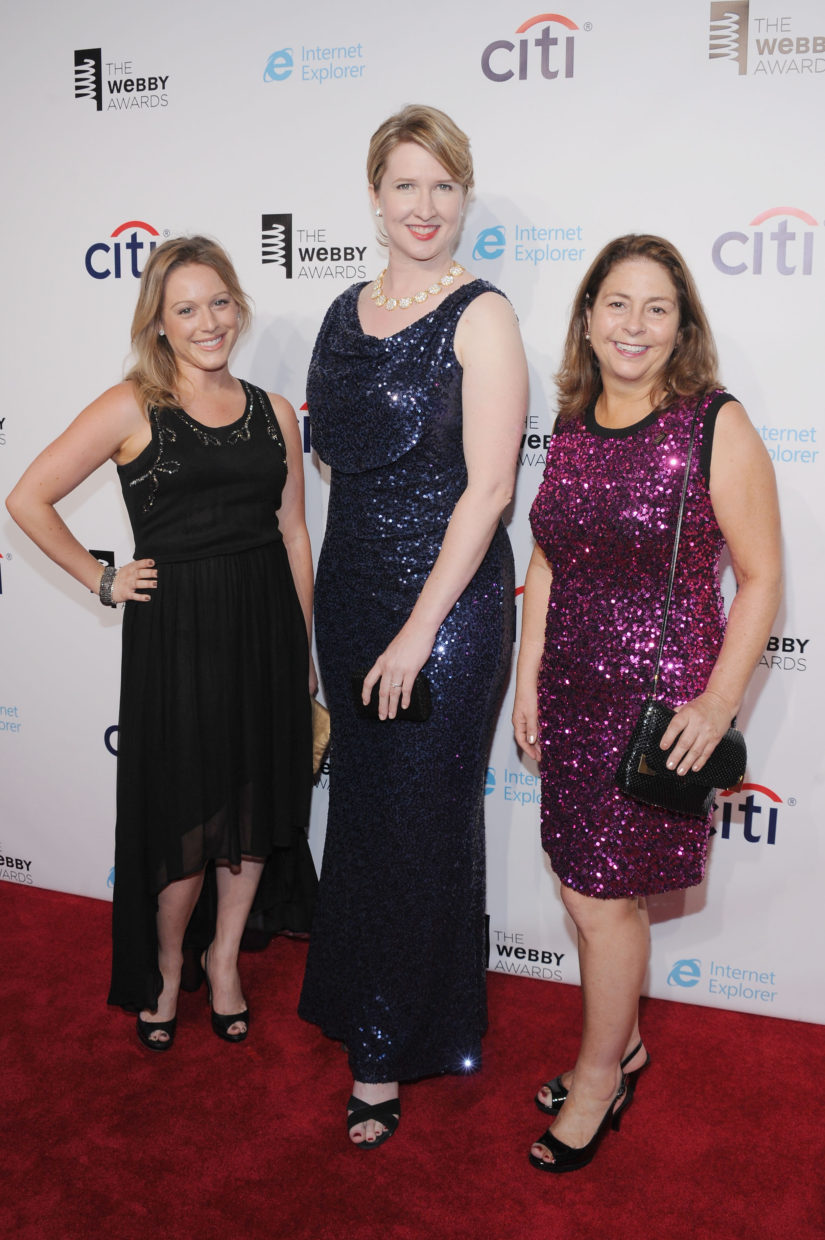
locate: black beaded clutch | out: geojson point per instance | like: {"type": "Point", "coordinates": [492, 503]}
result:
{"type": "Point", "coordinates": [643, 772]}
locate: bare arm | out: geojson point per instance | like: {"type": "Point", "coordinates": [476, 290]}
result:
{"type": "Point", "coordinates": [110, 427]}
{"type": "Point", "coordinates": [533, 622]}
{"type": "Point", "coordinates": [743, 494]}
{"type": "Point", "coordinates": [292, 520]}
{"type": "Point", "coordinates": [494, 398]}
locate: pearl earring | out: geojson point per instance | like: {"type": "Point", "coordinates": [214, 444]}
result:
{"type": "Point", "coordinates": [378, 211]}
{"type": "Point", "coordinates": [161, 332]}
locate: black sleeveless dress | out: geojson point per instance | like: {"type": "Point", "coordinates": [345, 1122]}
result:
{"type": "Point", "coordinates": [214, 739]}
{"type": "Point", "coordinates": [397, 957]}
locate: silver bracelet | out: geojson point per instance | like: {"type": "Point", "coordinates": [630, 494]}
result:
{"type": "Point", "coordinates": [107, 581]}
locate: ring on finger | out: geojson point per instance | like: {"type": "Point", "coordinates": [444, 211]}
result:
{"type": "Point", "coordinates": [399, 685]}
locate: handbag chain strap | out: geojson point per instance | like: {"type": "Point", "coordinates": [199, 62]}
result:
{"type": "Point", "coordinates": [676, 537]}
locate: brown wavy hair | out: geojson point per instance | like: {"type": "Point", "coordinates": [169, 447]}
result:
{"type": "Point", "coordinates": [154, 372]}
{"type": "Point", "coordinates": [692, 367]}
{"type": "Point", "coordinates": [427, 127]}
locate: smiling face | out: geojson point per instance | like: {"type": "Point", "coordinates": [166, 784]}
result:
{"type": "Point", "coordinates": [199, 318]}
{"type": "Point", "coordinates": [421, 205]}
{"type": "Point", "coordinates": [634, 324]}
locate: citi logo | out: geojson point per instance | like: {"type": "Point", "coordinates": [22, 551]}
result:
{"type": "Point", "coordinates": [279, 66]}
{"type": "Point", "coordinates": [545, 51]}
{"type": "Point", "coordinates": [784, 245]}
{"type": "Point", "coordinates": [88, 75]}
{"type": "Point", "coordinates": [757, 814]}
{"type": "Point", "coordinates": [729, 33]}
{"type": "Point", "coordinates": [276, 241]}
{"type": "Point", "coordinates": [685, 973]}
{"type": "Point", "coordinates": [118, 257]}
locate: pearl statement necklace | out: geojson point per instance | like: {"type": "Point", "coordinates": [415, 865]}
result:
{"type": "Point", "coordinates": [402, 303]}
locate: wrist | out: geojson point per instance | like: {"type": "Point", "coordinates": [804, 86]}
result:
{"type": "Point", "coordinates": [728, 703]}
{"type": "Point", "coordinates": [106, 584]}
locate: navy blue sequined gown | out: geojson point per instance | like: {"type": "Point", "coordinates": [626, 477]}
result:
{"type": "Point", "coordinates": [214, 739]}
{"type": "Point", "coordinates": [397, 957]}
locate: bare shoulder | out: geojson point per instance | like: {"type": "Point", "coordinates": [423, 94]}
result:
{"type": "Point", "coordinates": [739, 458]}
{"type": "Point", "coordinates": [488, 329]}
{"type": "Point", "coordinates": [735, 433]}
{"type": "Point", "coordinates": [287, 418]}
{"type": "Point", "coordinates": [281, 406]}
{"type": "Point", "coordinates": [490, 308]}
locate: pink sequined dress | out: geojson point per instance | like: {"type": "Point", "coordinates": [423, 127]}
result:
{"type": "Point", "coordinates": [604, 517]}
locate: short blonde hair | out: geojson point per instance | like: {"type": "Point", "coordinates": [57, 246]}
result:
{"type": "Point", "coordinates": [154, 372]}
{"type": "Point", "coordinates": [426, 127]}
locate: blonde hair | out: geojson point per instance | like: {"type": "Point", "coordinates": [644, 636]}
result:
{"type": "Point", "coordinates": [154, 372]}
{"type": "Point", "coordinates": [426, 127]}
{"type": "Point", "coordinates": [692, 367]}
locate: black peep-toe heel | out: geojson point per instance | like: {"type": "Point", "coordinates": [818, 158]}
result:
{"type": "Point", "coordinates": [222, 1024]}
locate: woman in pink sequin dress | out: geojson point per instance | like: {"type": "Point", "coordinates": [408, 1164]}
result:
{"type": "Point", "coordinates": [638, 358]}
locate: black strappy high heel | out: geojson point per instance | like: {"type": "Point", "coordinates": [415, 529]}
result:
{"type": "Point", "coordinates": [558, 1091]}
{"type": "Point", "coordinates": [568, 1157]}
{"type": "Point", "coordinates": [387, 1113]}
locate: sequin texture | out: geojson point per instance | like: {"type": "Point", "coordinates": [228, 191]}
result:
{"type": "Point", "coordinates": [397, 958]}
{"type": "Point", "coordinates": [604, 517]}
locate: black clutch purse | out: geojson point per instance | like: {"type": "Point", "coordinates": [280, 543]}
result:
{"type": "Point", "coordinates": [418, 711]}
{"type": "Point", "coordinates": [643, 773]}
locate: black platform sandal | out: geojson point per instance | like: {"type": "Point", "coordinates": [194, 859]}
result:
{"type": "Point", "coordinates": [387, 1113]}
{"type": "Point", "coordinates": [145, 1028]}
{"type": "Point", "coordinates": [558, 1091]}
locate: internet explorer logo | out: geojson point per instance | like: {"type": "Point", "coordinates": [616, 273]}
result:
{"type": "Point", "coordinates": [490, 781]}
{"type": "Point", "coordinates": [490, 243]}
{"type": "Point", "coordinates": [279, 66]}
{"type": "Point", "coordinates": [685, 973]}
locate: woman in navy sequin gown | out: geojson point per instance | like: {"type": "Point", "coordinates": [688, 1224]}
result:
{"type": "Point", "coordinates": [638, 357]}
{"type": "Point", "coordinates": [417, 408]}
{"type": "Point", "coordinates": [214, 739]}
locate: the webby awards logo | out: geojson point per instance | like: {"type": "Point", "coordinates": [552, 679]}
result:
{"type": "Point", "coordinates": [307, 253]}
{"type": "Point", "coordinates": [114, 85]}
{"type": "Point", "coordinates": [767, 44]}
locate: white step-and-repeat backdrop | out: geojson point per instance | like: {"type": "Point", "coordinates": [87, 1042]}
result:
{"type": "Point", "coordinates": [701, 121]}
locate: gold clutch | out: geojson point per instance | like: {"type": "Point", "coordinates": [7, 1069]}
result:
{"type": "Point", "coordinates": [320, 735]}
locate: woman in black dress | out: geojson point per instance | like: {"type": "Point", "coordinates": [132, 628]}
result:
{"type": "Point", "coordinates": [417, 395]}
{"type": "Point", "coordinates": [214, 765]}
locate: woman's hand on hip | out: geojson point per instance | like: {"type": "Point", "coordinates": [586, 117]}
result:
{"type": "Point", "coordinates": [696, 729]}
{"type": "Point", "coordinates": [133, 577]}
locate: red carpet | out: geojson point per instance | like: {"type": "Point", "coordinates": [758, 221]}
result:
{"type": "Point", "coordinates": [100, 1138]}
